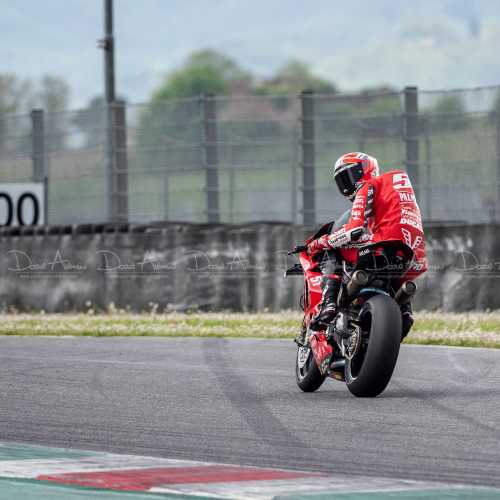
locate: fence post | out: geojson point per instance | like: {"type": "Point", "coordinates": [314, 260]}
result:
{"type": "Point", "coordinates": [38, 144]}
{"type": "Point", "coordinates": [428, 168]}
{"type": "Point", "coordinates": [38, 151]}
{"type": "Point", "coordinates": [294, 181]}
{"type": "Point", "coordinates": [166, 195]}
{"type": "Point", "coordinates": [497, 120]}
{"type": "Point", "coordinates": [411, 136]}
{"type": "Point", "coordinates": [209, 139]}
{"type": "Point", "coordinates": [308, 158]}
{"type": "Point", "coordinates": [110, 164]}
{"type": "Point", "coordinates": [119, 173]}
{"type": "Point", "coordinates": [232, 187]}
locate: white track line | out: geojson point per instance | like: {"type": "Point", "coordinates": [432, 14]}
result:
{"type": "Point", "coordinates": [98, 463]}
{"type": "Point", "coordinates": [267, 490]}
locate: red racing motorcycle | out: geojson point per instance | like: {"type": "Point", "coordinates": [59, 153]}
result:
{"type": "Point", "coordinates": [361, 345]}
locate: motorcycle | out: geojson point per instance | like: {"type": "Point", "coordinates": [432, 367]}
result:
{"type": "Point", "coordinates": [361, 345]}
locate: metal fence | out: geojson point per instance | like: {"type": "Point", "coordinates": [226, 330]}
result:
{"type": "Point", "coordinates": [256, 158]}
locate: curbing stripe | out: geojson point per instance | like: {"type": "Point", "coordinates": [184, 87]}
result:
{"type": "Point", "coordinates": [27, 489]}
{"type": "Point", "coordinates": [83, 474]}
{"type": "Point", "coordinates": [146, 478]}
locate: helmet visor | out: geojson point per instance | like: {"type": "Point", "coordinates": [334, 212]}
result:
{"type": "Point", "coordinates": [347, 176]}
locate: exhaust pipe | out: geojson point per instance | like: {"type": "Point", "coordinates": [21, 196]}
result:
{"type": "Point", "coordinates": [338, 365]}
{"type": "Point", "coordinates": [406, 292]}
{"type": "Point", "coordinates": [358, 280]}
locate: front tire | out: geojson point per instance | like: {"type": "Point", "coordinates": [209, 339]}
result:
{"type": "Point", "coordinates": [307, 373]}
{"type": "Point", "coordinates": [370, 370]}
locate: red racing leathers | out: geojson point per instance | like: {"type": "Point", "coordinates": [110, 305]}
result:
{"type": "Point", "coordinates": [385, 209]}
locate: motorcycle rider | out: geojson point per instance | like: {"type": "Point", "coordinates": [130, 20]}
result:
{"type": "Point", "coordinates": [384, 209]}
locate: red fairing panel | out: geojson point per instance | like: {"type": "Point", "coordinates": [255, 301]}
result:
{"type": "Point", "coordinates": [320, 347]}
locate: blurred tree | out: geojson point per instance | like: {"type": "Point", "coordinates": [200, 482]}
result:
{"type": "Point", "coordinates": [205, 72]}
{"type": "Point", "coordinates": [290, 80]}
{"type": "Point", "coordinates": [53, 97]}
{"type": "Point", "coordinates": [371, 102]}
{"type": "Point", "coordinates": [362, 117]}
{"type": "Point", "coordinates": [448, 113]}
{"type": "Point", "coordinates": [495, 109]}
{"type": "Point", "coordinates": [169, 124]}
{"type": "Point", "coordinates": [449, 105]}
{"type": "Point", "coordinates": [16, 97]}
{"type": "Point", "coordinates": [294, 77]}
{"type": "Point", "coordinates": [381, 100]}
{"type": "Point", "coordinates": [92, 121]}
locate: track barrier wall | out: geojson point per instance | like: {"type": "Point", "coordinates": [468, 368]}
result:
{"type": "Point", "coordinates": [212, 267]}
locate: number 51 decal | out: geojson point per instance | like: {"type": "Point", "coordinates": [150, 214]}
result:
{"type": "Point", "coordinates": [401, 181]}
{"type": "Point", "coordinates": [315, 280]}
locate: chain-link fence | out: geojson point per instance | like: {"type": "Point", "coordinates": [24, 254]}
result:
{"type": "Point", "coordinates": [256, 158]}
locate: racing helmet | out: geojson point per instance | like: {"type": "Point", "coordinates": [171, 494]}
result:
{"type": "Point", "coordinates": [351, 170]}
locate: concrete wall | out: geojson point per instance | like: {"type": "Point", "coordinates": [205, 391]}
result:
{"type": "Point", "coordinates": [181, 266]}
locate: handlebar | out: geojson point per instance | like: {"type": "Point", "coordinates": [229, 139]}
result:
{"type": "Point", "coordinates": [298, 249]}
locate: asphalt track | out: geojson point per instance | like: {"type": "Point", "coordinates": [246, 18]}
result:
{"type": "Point", "coordinates": [235, 401]}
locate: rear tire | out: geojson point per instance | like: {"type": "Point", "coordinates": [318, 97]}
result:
{"type": "Point", "coordinates": [307, 373]}
{"type": "Point", "coordinates": [370, 370]}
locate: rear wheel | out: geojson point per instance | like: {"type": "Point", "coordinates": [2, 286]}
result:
{"type": "Point", "coordinates": [369, 371]}
{"type": "Point", "coordinates": [307, 374]}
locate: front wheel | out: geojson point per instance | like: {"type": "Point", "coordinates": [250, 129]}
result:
{"type": "Point", "coordinates": [307, 373]}
{"type": "Point", "coordinates": [370, 370]}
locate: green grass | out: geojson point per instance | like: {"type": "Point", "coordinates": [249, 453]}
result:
{"type": "Point", "coordinates": [436, 328]}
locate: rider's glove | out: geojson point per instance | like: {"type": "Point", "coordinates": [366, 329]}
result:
{"type": "Point", "coordinates": [319, 245]}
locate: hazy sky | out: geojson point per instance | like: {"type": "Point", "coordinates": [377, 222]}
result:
{"type": "Point", "coordinates": [358, 43]}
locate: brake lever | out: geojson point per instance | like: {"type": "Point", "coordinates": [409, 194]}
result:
{"type": "Point", "coordinates": [298, 249]}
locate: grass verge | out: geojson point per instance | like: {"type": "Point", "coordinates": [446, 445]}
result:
{"type": "Point", "coordinates": [436, 328]}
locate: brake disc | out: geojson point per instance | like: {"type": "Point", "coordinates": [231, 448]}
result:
{"type": "Point", "coordinates": [302, 356]}
{"type": "Point", "coordinates": [351, 344]}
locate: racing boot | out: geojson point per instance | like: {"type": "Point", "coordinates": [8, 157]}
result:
{"type": "Point", "coordinates": [407, 319]}
{"type": "Point", "coordinates": [328, 308]}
